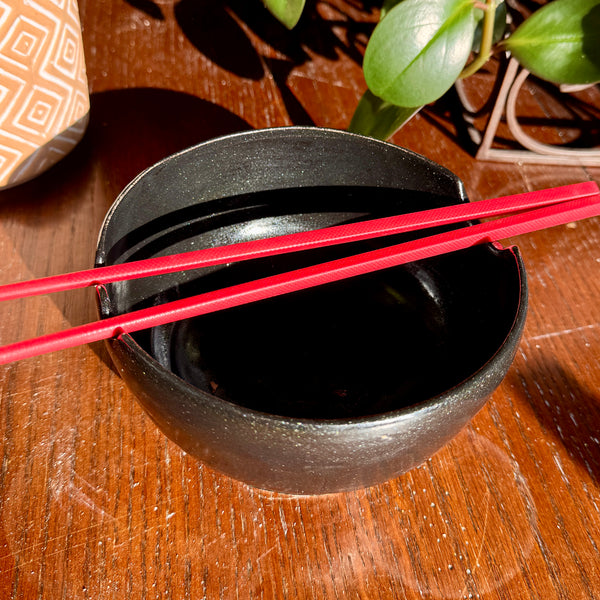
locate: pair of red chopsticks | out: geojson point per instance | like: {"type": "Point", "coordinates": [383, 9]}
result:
{"type": "Point", "coordinates": [534, 211]}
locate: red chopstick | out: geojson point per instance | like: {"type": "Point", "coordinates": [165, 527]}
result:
{"type": "Point", "coordinates": [299, 241]}
{"type": "Point", "coordinates": [456, 239]}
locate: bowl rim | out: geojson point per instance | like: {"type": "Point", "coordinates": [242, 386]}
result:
{"type": "Point", "coordinates": [285, 130]}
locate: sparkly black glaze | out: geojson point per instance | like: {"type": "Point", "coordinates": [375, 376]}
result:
{"type": "Point", "coordinates": [328, 389]}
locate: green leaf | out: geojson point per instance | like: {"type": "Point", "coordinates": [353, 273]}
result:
{"type": "Point", "coordinates": [418, 50]}
{"type": "Point", "coordinates": [287, 12]}
{"type": "Point", "coordinates": [386, 7]}
{"type": "Point", "coordinates": [560, 42]}
{"type": "Point", "coordinates": [377, 118]}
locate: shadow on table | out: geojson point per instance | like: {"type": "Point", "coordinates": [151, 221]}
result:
{"type": "Point", "coordinates": [223, 31]}
{"type": "Point", "coordinates": [567, 409]}
{"type": "Point", "coordinates": [63, 209]}
{"type": "Point", "coordinates": [233, 34]}
{"type": "Point", "coordinates": [132, 129]}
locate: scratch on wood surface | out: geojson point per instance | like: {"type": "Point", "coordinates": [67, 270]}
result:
{"type": "Point", "coordinates": [544, 336]}
{"type": "Point", "coordinates": [559, 465]}
{"type": "Point", "coordinates": [264, 554]}
{"type": "Point", "coordinates": [45, 384]}
{"type": "Point", "coordinates": [71, 546]}
{"type": "Point", "coordinates": [60, 485]}
{"type": "Point", "coordinates": [121, 526]}
{"type": "Point", "coordinates": [483, 535]}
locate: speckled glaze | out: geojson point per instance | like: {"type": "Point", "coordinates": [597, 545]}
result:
{"type": "Point", "coordinates": [205, 196]}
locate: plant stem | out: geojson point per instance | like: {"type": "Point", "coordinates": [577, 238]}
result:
{"type": "Point", "coordinates": [487, 36]}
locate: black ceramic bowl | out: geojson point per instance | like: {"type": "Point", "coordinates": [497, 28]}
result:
{"type": "Point", "coordinates": [328, 389]}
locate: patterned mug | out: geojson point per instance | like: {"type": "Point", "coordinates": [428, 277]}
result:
{"type": "Point", "coordinates": [44, 98]}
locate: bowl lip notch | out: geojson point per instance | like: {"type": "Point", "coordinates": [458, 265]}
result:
{"type": "Point", "coordinates": [126, 344]}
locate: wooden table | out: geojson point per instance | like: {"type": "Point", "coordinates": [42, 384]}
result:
{"type": "Point", "coordinates": [96, 503]}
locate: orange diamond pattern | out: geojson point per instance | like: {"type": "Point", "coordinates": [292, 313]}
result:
{"type": "Point", "coordinates": [44, 101]}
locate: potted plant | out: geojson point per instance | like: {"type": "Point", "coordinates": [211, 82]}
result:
{"type": "Point", "coordinates": [420, 48]}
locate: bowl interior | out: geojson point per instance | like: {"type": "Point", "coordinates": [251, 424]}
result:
{"type": "Point", "coordinates": [364, 346]}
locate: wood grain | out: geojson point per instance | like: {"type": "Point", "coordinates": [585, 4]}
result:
{"type": "Point", "coordinates": [96, 503]}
